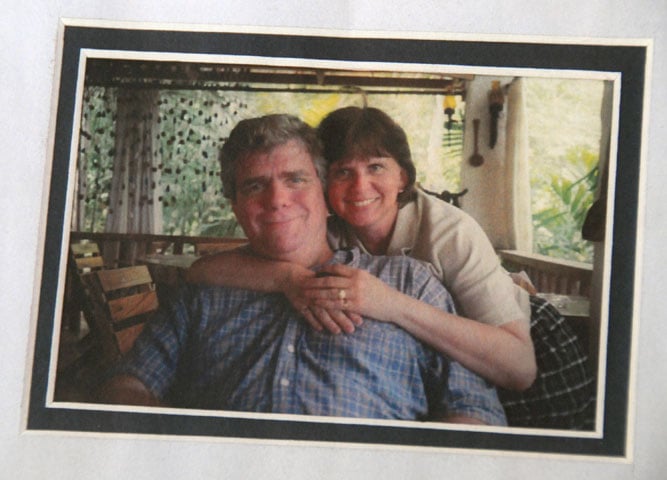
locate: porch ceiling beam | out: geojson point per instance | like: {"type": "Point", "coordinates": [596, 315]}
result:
{"type": "Point", "coordinates": [188, 75]}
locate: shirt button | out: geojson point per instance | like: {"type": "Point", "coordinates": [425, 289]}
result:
{"type": "Point", "coordinates": [284, 382]}
{"type": "Point", "coordinates": [290, 348]}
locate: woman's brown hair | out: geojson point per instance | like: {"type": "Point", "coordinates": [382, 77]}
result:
{"type": "Point", "coordinates": [367, 132]}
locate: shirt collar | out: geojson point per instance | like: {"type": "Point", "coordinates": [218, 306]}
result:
{"type": "Point", "coordinates": [346, 256]}
{"type": "Point", "coordinates": [406, 229]}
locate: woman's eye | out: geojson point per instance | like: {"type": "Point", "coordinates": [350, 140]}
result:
{"type": "Point", "coordinates": [341, 173]}
{"type": "Point", "coordinates": [375, 167]}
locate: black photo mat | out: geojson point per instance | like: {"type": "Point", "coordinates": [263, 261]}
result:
{"type": "Point", "coordinates": [629, 61]}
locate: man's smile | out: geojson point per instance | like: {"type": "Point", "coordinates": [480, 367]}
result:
{"type": "Point", "coordinates": [280, 221]}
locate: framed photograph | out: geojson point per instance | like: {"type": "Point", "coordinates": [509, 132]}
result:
{"type": "Point", "coordinates": [494, 124]}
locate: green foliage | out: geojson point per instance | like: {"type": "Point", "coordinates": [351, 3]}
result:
{"type": "Point", "coordinates": [563, 118]}
{"type": "Point", "coordinates": [96, 151]}
{"type": "Point", "coordinates": [557, 228]}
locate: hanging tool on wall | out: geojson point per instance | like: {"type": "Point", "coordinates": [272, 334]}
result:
{"type": "Point", "coordinates": [476, 159]}
{"type": "Point", "coordinates": [496, 100]}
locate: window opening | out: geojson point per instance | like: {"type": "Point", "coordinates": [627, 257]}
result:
{"type": "Point", "coordinates": [564, 129]}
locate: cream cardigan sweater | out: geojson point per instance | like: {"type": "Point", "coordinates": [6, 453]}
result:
{"type": "Point", "coordinates": [459, 254]}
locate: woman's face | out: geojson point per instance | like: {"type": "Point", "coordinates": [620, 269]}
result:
{"type": "Point", "coordinates": [363, 191]}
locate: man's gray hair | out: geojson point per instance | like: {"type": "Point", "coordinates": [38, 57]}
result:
{"type": "Point", "coordinates": [261, 135]}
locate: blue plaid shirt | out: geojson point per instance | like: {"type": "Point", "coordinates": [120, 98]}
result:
{"type": "Point", "coordinates": [232, 349]}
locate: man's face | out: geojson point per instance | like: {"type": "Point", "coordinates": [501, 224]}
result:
{"type": "Point", "coordinates": [280, 205]}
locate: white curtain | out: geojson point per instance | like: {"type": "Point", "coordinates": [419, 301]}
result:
{"type": "Point", "coordinates": [517, 172]}
{"type": "Point", "coordinates": [134, 199]}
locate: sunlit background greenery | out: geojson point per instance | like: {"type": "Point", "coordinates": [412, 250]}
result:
{"type": "Point", "coordinates": [564, 145]}
{"type": "Point", "coordinates": [564, 132]}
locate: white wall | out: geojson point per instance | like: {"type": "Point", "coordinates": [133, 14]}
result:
{"type": "Point", "coordinates": [486, 199]}
{"type": "Point", "coordinates": [27, 59]}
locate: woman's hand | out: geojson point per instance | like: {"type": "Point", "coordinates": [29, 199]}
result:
{"type": "Point", "coordinates": [333, 318]}
{"type": "Point", "coordinates": [352, 290]}
{"type": "Point", "coordinates": [236, 268]}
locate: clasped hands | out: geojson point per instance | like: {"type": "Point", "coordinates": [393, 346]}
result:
{"type": "Point", "coordinates": [336, 297]}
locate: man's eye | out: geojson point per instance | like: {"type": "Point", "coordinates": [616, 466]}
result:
{"type": "Point", "coordinates": [375, 167]}
{"type": "Point", "coordinates": [296, 181]}
{"type": "Point", "coordinates": [250, 188]}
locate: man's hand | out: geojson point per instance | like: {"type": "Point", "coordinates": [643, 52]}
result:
{"type": "Point", "coordinates": [126, 390]}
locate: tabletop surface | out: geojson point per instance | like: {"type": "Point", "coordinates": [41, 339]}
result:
{"type": "Point", "coordinates": [177, 260]}
{"type": "Point", "coordinates": [569, 305]}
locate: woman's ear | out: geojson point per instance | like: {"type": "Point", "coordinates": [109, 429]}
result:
{"type": "Point", "coordinates": [404, 180]}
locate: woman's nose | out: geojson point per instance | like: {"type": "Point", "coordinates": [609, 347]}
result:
{"type": "Point", "coordinates": [359, 181]}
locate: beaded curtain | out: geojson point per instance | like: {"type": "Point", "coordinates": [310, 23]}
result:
{"type": "Point", "coordinates": [148, 161]}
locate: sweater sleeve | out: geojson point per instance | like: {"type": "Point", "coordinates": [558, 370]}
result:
{"type": "Point", "coordinates": [463, 258]}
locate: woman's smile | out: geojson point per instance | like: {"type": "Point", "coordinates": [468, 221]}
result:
{"type": "Point", "coordinates": [362, 203]}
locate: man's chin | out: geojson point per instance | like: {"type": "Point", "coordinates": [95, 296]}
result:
{"type": "Point", "coordinates": [282, 249]}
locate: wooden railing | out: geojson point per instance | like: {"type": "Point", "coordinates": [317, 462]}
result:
{"type": "Point", "coordinates": [551, 275]}
{"type": "Point", "coordinates": [123, 249]}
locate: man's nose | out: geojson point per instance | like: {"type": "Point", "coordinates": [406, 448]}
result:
{"type": "Point", "coordinates": [278, 195]}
